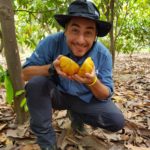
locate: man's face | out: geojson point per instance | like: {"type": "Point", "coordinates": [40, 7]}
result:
{"type": "Point", "coordinates": [80, 34]}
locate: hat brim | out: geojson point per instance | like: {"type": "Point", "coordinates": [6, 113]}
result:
{"type": "Point", "coordinates": [103, 27]}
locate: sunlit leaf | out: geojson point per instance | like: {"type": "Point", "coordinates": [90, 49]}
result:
{"type": "Point", "coordinates": [9, 89]}
{"type": "Point", "coordinates": [23, 102]}
{"type": "Point", "coordinates": [20, 92]}
{"type": "Point", "coordinates": [26, 108]}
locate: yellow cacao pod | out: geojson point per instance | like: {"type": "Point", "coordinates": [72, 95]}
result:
{"type": "Point", "coordinates": [68, 66]}
{"type": "Point", "coordinates": [86, 67]}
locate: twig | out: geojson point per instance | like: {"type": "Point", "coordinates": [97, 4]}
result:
{"type": "Point", "coordinates": [28, 11]}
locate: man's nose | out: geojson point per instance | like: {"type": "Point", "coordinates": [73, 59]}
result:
{"type": "Point", "coordinates": [81, 39]}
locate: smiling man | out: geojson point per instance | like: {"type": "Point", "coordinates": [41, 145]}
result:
{"type": "Point", "coordinates": [80, 35]}
{"type": "Point", "coordinates": [88, 98]}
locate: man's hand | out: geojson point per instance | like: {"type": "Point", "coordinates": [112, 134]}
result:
{"type": "Point", "coordinates": [87, 79]}
{"type": "Point", "coordinates": [56, 64]}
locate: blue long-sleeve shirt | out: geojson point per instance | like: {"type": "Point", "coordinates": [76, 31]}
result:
{"type": "Point", "coordinates": [53, 45]}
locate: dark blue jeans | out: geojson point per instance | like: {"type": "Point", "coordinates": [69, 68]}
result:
{"type": "Point", "coordinates": [43, 95]}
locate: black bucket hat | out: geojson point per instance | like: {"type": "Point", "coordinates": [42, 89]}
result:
{"type": "Point", "coordinates": [86, 9]}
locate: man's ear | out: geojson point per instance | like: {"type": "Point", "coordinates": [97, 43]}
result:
{"type": "Point", "coordinates": [65, 31]}
{"type": "Point", "coordinates": [95, 39]}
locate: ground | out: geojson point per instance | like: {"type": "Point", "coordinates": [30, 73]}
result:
{"type": "Point", "coordinates": [132, 95]}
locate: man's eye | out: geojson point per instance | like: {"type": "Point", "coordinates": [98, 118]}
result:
{"type": "Point", "coordinates": [74, 30]}
{"type": "Point", "coordinates": [88, 33]}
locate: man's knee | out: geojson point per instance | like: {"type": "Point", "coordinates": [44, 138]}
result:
{"type": "Point", "coordinates": [36, 83]}
{"type": "Point", "coordinates": [116, 122]}
{"type": "Point", "coordinates": [110, 122]}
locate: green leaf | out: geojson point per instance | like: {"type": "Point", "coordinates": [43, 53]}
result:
{"type": "Point", "coordinates": [2, 75]}
{"type": "Point", "coordinates": [26, 108]}
{"type": "Point", "coordinates": [9, 90]}
{"type": "Point", "coordinates": [23, 102]}
{"type": "Point", "coordinates": [20, 92]}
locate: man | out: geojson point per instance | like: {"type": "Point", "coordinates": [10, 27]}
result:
{"type": "Point", "coordinates": [88, 99]}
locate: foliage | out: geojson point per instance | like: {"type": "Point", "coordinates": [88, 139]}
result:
{"type": "Point", "coordinates": [2, 74]}
{"type": "Point", "coordinates": [135, 32]}
{"type": "Point", "coordinates": [9, 89]}
{"type": "Point", "coordinates": [6, 81]}
{"type": "Point", "coordinates": [131, 24]}
{"type": "Point", "coordinates": [34, 19]}
{"type": "Point", "coordinates": [24, 101]}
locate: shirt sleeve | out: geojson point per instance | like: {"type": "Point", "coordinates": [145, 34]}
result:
{"type": "Point", "coordinates": [42, 55]}
{"type": "Point", "coordinates": [105, 73]}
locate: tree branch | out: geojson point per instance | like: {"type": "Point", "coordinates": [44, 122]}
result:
{"type": "Point", "coordinates": [28, 11]}
{"type": "Point", "coordinates": [122, 23]}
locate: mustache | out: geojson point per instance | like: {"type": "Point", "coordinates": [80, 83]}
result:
{"type": "Point", "coordinates": [80, 44]}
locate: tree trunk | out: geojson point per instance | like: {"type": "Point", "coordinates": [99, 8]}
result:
{"type": "Point", "coordinates": [12, 55]}
{"type": "Point", "coordinates": [112, 44]}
